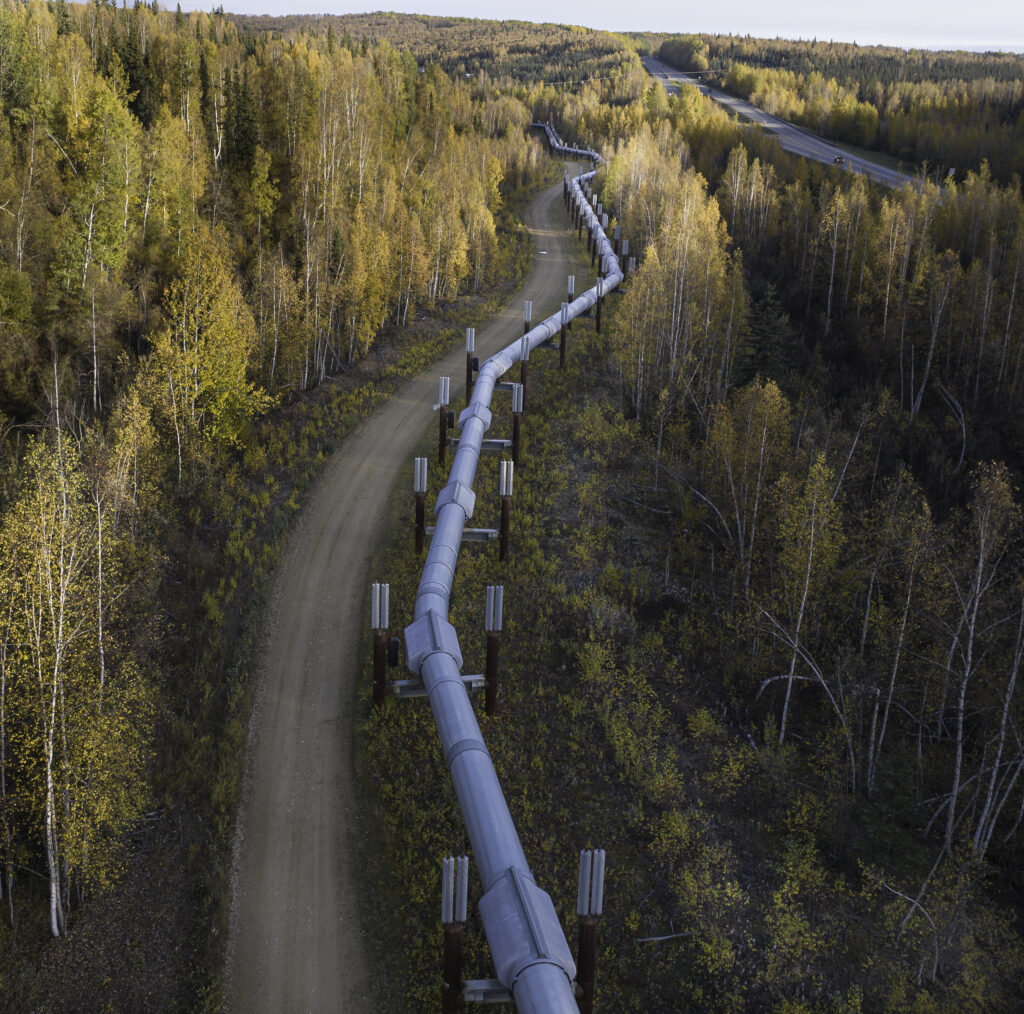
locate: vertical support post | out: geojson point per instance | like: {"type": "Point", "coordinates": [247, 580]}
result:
{"type": "Point", "coordinates": [625, 249]}
{"type": "Point", "coordinates": [419, 489]}
{"type": "Point", "coordinates": [443, 391]}
{"type": "Point", "coordinates": [505, 491]}
{"type": "Point", "coordinates": [492, 624]}
{"type": "Point", "coordinates": [379, 609]}
{"type": "Point", "coordinates": [586, 962]}
{"type": "Point", "coordinates": [589, 904]}
{"type": "Point", "coordinates": [454, 891]}
{"type": "Point", "coordinates": [570, 296]}
{"type": "Point", "coordinates": [564, 335]}
{"type": "Point", "coordinates": [517, 416]}
{"type": "Point", "coordinates": [616, 235]}
{"type": "Point", "coordinates": [593, 248]}
{"type": "Point", "coordinates": [527, 315]}
{"type": "Point", "coordinates": [590, 241]}
{"type": "Point", "coordinates": [524, 359]}
{"type": "Point", "coordinates": [470, 353]}
{"type": "Point", "coordinates": [600, 293]}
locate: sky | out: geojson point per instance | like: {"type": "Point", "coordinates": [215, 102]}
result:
{"type": "Point", "coordinates": [929, 24]}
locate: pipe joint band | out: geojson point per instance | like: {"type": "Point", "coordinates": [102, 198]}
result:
{"type": "Point", "coordinates": [463, 745]}
{"type": "Point", "coordinates": [429, 635]}
{"type": "Point", "coordinates": [481, 412]}
{"type": "Point", "coordinates": [456, 492]}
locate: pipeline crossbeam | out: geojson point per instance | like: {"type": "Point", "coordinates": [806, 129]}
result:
{"type": "Point", "coordinates": [531, 955]}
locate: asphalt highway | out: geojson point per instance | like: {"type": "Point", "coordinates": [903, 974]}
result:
{"type": "Point", "coordinates": [792, 138]}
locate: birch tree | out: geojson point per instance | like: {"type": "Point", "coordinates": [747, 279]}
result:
{"type": "Point", "coordinates": [75, 707]}
{"type": "Point", "coordinates": [977, 566]}
{"type": "Point", "coordinates": [747, 446]}
{"type": "Point", "coordinates": [810, 536]}
{"type": "Point", "coordinates": [201, 355]}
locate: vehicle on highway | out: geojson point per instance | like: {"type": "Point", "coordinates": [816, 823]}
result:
{"type": "Point", "coordinates": [839, 160]}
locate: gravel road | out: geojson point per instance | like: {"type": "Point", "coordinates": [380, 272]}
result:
{"type": "Point", "coordinates": [295, 941]}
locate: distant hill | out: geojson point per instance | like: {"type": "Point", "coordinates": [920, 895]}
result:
{"type": "Point", "coordinates": [514, 51]}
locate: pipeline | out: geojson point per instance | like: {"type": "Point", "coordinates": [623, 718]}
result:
{"type": "Point", "coordinates": [557, 145]}
{"type": "Point", "coordinates": [532, 958]}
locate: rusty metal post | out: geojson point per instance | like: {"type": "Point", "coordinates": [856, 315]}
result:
{"type": "Point", "coordinates": [524, 359]}
{"type": "Point", "coordinates": [517, 416]}
{"type": "Point", "coordinates": [419, 489]}
{"type": "Point", "coordinates": [379, 609]}
{"type": "Point", "coordinates": [506, 521]}
{"type": "Point", "coordinates": [451, 987]}
{"type": "Point", "coordinates": [491, 673]}
{"type": "Point", "coordinates": [492, 624]}
{"type": "Point", "coordinates": [505, 492]}
{"type": "Point", "coordinates": [470, 353]}
{"type": "Point", "coordinates": [380, 666]}
{"type": "Point", "coordinates": [454, 898]}
{"type": "Point", "coordinates": [586, 964]}
{"type": "Point", "coordinates": [421, 530]}
{"type": "Point", "coordinates": [444, 390]}
{"type": "Point", "coordinates": [589, 905]}
{"type": "Point", "coordinates": [563, 336]}
{"type": "Point", "coordinates": [570, 296]}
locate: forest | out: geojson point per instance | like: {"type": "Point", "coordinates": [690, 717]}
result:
{"type": "Point", "coordinates": [785, 628]}
{"type": "Point", "coordinates": [949, 111]}
{"type": "Point", "coordinates": [199, 231]}
{"type": "Point", "coordinates": [778, 560]}
{"type": "Point", "coordinates": [508, 53]}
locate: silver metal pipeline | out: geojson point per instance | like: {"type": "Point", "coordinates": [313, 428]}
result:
{"type": "Point", "coordinates": [531, 956]}
{"type": "Point", "coordinates": [557, 145]}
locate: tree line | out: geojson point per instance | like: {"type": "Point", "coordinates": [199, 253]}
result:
{"type": "Point", "coordinates": [509, 53]}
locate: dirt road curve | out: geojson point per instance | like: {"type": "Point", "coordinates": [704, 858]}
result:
{"type": "Point", "coordinates": [295, 943]}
